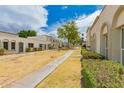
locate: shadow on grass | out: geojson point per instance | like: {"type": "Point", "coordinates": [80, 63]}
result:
{"type": "Point", "coordinates": [82, 79]}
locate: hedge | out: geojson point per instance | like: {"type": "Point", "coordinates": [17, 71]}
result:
{"type": "Point", "coordinates": [2, 51]}
{"type": "Point", "coordinates": [33, 49]}
{"type": "Point", "coordinates": [29, 49]}
{"type": "Point", "coordinates": [102, 74]}
{"type": "Point", "coordinates": [90, 54]}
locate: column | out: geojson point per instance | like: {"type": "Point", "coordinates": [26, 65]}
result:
{"type": "Point", "coordinates": [9, 45]}
{"type": "Point", "coordinates": [17, 47]}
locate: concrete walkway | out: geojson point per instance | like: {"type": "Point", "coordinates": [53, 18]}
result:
{"type": "Point", "coordinates": [31, 80]}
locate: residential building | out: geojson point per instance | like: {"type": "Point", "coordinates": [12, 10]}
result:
{"type": "Point", "coordinates": [106, 35]}
{"type": "Point", "coordinates": [13, 43]}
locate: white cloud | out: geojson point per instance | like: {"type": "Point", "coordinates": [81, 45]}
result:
{"type": "Point", "coordinates": [42, 32]}
{"type": "Point", "coordinates": [16, 18]}
{"type": "Point", "coordinates": [84, 21]}
{"type": "Point", "coordinates": [54, 27]}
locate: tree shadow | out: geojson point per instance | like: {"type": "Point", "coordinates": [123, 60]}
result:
{"type": "Point", "coordinates": [82, 78]}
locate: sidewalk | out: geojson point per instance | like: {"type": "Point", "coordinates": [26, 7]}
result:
{"type": "Point", "coordinates": [36, 77]}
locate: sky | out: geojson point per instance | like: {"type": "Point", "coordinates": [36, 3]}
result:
{"type": "Point", "coordinates": [46, 19]}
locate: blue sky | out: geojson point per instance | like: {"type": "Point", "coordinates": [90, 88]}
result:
{"type": "Point", "coordinates": [46, 19]}
{"type": "Point", "coordinates": [58, 13]}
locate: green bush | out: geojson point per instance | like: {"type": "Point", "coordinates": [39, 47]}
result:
{"type": "Point", "coordinates": [39, 49]}
{"type": "Point", "coordinates": [35, 49]}
{"type": "Point", "coordinates": [29, 49]}
{"type": "Point", "coordinates": [50, 47]}
{"type": "Point", "coordinates": [102, 74]}
{"type": "Point", "coordinates": [90, 54]}
{"type": "Point", "coordinates": [2, 51]}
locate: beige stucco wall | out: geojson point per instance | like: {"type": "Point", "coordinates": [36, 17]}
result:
{"type": "Point", "coordinates": [120, 20]}
{"type": "Point", "coordinates": [113, 17]}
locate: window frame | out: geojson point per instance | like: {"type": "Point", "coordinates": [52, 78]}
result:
{"type": "Point", "coordinates": [30, 45]}
{"type": "Point", "coordinates": [6, 45]}
{"type": "Point", "coordinates": [13, 48]}
{"type": "Point", "coordinates": [122, 47]}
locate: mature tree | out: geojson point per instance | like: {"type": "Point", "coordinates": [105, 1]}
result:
{"type": "Point", "coordinates": [27, 33]}
{"type": "Point", "coordinates": [23, 33]}
{"type": "Point", "coordinates": [70, 32]}
{"type": "Point", "coordinates": [77, 41]}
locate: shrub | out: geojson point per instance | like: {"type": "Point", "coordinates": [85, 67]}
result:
{"type": "Point", "coordinates": [35, 49]}
{"type": "Point", "coordinates": [90, 54]}
{"type": "Point", "coordinates": [29, 49]}
{"type": "Point", "coordinates": [51, 47]}
{"type": "Point", "coordinates": [2, 51]}
{"type": "Point", "coordinates": [39, 49]}
{"type": "Point", "coordinates": [102, 74]}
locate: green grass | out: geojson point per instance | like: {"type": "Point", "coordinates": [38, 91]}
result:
{"type": "Point", "coordinates": [103, 74]}
{"type": "Point", "coordinates": [90, 54]}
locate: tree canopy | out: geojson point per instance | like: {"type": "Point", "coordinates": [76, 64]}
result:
{"type": "Point", "coordinates": [27, 33]}
{"type": "Point", "coordinates": [70, 32]}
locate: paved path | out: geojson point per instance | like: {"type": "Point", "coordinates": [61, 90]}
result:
{"type": "Point", "coordinates": [36, 77]}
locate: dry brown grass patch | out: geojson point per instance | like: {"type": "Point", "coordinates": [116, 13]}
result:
{"type": "Point", "coordinates": [14, 69]}
{"type": "Point", "coordinates": [67, 75]}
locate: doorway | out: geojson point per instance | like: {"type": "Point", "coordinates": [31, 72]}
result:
{"type": "Point", "coordinates": [21, 47]}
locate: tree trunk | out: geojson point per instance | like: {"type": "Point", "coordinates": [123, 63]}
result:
{"type": "Point", "coordinates": [68, 44]}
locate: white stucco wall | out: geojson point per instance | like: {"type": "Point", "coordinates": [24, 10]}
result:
{"type": "Point", "coordinates": [9, 37]}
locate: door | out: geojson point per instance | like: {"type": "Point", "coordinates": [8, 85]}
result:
{"type": "Point", "coordinates": [45, 46]}
{"type": "Point", "coordinates": [21, 47]}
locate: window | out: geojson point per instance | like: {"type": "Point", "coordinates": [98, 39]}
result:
{"type": "Point", "coordinates": [123, 56]}
{"type": "Point", "coordinates": [40, 45]}
{"type": "Point", "coordinates": [5, 45]}
{"type": "Point", "coordinates": [123, 39]}
{"type": "Point", "coordinates": [30, 45]}
{"type": "Point", "coordinates": [13, 45]}
{"type": "Point", "coordinates": [106, 46]}
{"type": "Point", "coordinates": [122, 50]}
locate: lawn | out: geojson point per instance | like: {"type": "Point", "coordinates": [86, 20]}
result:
{"type": "Point", "coordinates": [67, 75]}
{"type": "Point", "coordinates": [15, 69]}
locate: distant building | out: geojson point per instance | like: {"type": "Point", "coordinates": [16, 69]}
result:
{"type": "Point", "coordinates": [88, 38]}
{"type": "Point", "coordinates": [13, 43]}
